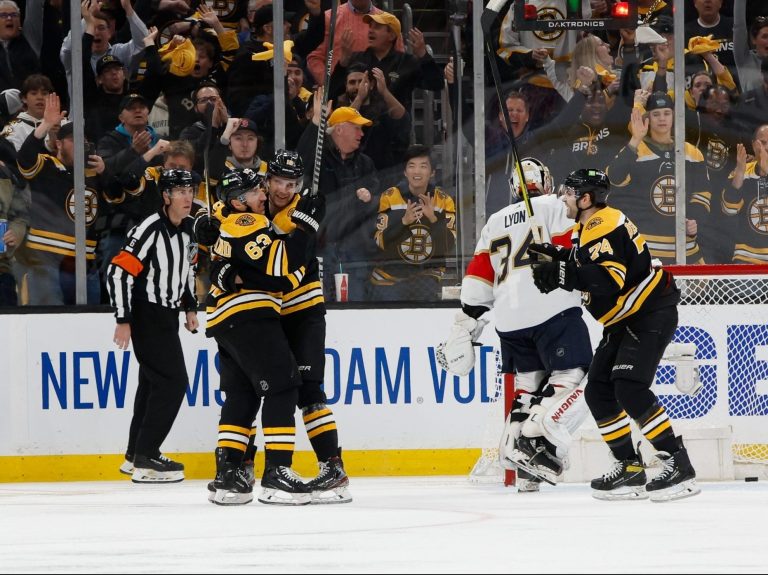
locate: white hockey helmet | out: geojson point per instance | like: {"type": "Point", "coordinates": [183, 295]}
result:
{"type": "Point", "coordinates": [537, 178]}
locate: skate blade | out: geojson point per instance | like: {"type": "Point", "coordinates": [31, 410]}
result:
{"type": "Point", "coordinates": [150, 476]}
{"type": "Point", "coordinates": [621, 494]}
{"type": "Point", "coordinates": [528, 487]}
{"type": "Point", "coordinates": [225, 497]}
{"type": "Point", "coordinates": [277, 497]}
{"type": "Point", "coordinates": [331, 496]}
{"type": "Point", "coordinates": [682, 491]}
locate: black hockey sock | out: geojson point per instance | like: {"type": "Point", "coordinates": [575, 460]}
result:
{"type": "Point", "coordinates": [321, 430]}
{"type": "Point", "coordinates": [617, 434]}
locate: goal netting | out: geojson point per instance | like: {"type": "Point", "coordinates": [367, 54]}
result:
{"type": "Point", "coordinates": [724, 312]}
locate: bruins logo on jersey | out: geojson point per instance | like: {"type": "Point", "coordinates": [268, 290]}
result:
{"type": "Point", "coordinates": [225, 9]}
{"type": "Point", "coordinates": [245, 220]}
{"type": "Point", "coordinates": [593, 223]}
{"type": "Point", "coordinates": [418, 247]}
{"type": "Point", "coordinates": [758, 215]}
{"type": "Point", "coordinates": [549, 13]}
{"type": "Point", "coordinates": [91, 205]}
{"type": "Point", "coordinates": [663, 195]}
{"type": "Point", "coordinates": [717, 154]}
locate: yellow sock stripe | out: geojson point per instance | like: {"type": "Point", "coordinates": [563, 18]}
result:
{"type": "Point", "coordinates": [618, 433]}
{"type": "Point", "coordinates": [236, 429]}
{"type": "Point", "coordinates": [659, 412]}
{"type": "Point", "coordinates": [232, 444]}
{"type": "Point", "coordinates": [279, 446]}
{"type": "Point", "coordinates": [315, 414]}
{"type": "Point", "coordinates": [657, 431]}
{"type": "Point", "coordinates": [322, 429]}
{"type": "Point", "coordinates": [614, 420]}
{"type": "Point", "coordinates": [279, 430]}
{"type": "Point", "coordinates": [253, 431]}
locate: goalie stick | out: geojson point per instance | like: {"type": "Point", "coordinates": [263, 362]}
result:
{"type": "Point", "coordinates": [489, 16]}
{"type": "Point", "coordinates": [324, 105]}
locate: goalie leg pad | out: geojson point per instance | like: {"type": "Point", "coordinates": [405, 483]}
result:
{"type": "Point", "coordinates": [561, 413]}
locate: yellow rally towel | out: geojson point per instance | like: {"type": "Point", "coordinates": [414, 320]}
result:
{"type": "Point", "coordinates": [606, 76]}
{"type": "Point", "coordinates": [269, 53]}
{"type": "Point", "coordinates": [702, 45]}
{"type": "Point", "coordinates": [181, 58]}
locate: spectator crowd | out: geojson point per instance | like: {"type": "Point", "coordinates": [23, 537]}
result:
{"type": "Point", "coordinates": [154, 72]}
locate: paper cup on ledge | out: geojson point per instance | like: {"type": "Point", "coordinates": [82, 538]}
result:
{"type": "Point", "coordinates": [342, 286]}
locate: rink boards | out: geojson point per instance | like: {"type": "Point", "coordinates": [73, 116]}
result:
{"type": "Point", "coordinates": [67, 397]}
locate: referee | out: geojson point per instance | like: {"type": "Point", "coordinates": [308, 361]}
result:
{"type": "Point", "coordinates": [149, 280]}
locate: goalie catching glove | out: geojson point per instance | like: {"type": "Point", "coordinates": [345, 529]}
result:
{"type": "Point", "coordinates": [309, 211]}
{"type": "Point", "coordinates": [457, 353]}
{"type": "Point", "coordinates": [206, 228]}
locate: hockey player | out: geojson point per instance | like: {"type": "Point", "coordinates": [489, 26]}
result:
{"type": "Point", "coordinates": [637, 305]}
{"type": "Point", "coordinates": [544, 343]}
{"type": "Point", "coordinates": [256, 360]}
{"type": "Point", "coordinates": [303, 321]}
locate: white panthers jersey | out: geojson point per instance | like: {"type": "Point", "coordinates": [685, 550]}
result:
{"type": "Point", "coordinates": [499, 275]}
{"type": "Point", "coordinates": [559, 42]}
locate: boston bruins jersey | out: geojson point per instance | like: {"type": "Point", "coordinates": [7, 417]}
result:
{"type": "Point", "coordinates": [417, 247]}
{"type": "Point", "coordinates": [614, 269]}
{"type": "Point", "coordinates": [309, 294]}
{"type": "Point", "coordinates": [250, 240]}
{"type": "Point", "coordinates": [750, 206]}
{"type": "Point", "coordinates": [643, 187]}
{"type": "Point", "coordinates": [52, 216]}
{"type": "Point", "coordinates": [499, 275]}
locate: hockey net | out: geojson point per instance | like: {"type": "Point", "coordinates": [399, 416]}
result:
{"type": "Point", "coordinates": [724, 311]}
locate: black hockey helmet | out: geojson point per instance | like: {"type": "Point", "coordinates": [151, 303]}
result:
{"type": "Point", "coordinates": [252, 178]}
{"type": "Point", "coordinates": [233, 185]}
{"type": "Point", "coordinates": [588, 181]}
{"type": "Point", "coordinates": [286, 164]}
{"type": "Point", "coordinates": [174, 178]}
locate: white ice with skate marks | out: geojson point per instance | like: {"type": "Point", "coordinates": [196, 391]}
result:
{"type": "Point", "coordinates": [394, 525]}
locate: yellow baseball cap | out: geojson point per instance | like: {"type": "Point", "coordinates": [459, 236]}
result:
{"type": "Point", "coordinates": [347, 114]}
{"type": "Point", "coordinates": [384, 18]}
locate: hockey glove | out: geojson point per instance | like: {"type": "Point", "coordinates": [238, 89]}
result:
{"type": "Point", "coordinates": [309, 212]}
{"type": "Point", "coordinates": [206, 228]}
{"type": "Point", "coordinates": [548, 252]}
{"type": "Point", "coordinates": [549, 276]}
{"type": "Point", "coordinates": [457, 353]}
{"type": "Point", "coordinates": [223, 275]}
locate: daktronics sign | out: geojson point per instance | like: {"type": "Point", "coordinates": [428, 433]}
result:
{"type": "Point", "coordinates": [572, 24]}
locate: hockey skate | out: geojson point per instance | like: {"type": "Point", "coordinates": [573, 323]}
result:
{"type": "Point", "coordinates": [624, 481]}
{"type": "Point", "coordinates": [527, 483]}
{"type": "Point", "coordinates": [330, 485]}
{"type": "Point", "coordinates": [157, 469]}
{"type": "Point", "coordinates": [231, 486]}
{"type": "Point", "coordinates": [282, 486]}
{"type": "Point", "coordinates": [677, 479]}
{"type": "Point", "coordinates": [127, 466]}
{"type": "Point", "coordinates": [532, 455]}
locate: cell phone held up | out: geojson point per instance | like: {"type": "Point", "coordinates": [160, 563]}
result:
{"type": "Point", "coordinates": [88, 150]}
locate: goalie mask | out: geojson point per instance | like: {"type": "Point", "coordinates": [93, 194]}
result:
{"type": "Point", "coordinates": [538, 179]}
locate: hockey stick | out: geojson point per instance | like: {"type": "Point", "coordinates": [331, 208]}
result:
{"type": "Point", "coordinates": [324, 103]}
{"type": "Point", "coordinates": [489, 16]}
{"type": "Point", "coordinates": [207, 137]}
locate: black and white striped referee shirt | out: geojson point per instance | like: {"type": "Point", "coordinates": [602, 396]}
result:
{"type": "Point", "coordinates": [157, 264]}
